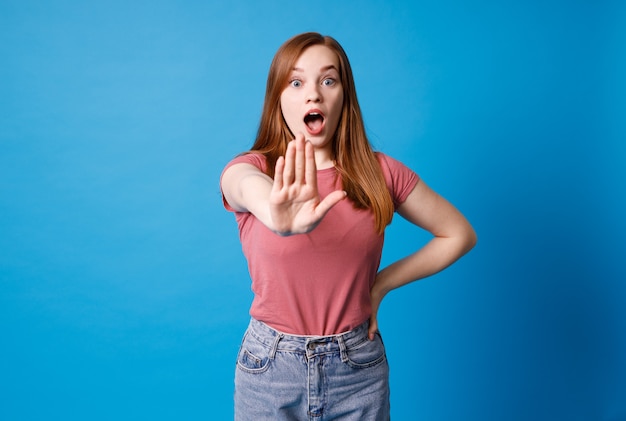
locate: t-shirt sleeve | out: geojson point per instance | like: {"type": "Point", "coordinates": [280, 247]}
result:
{"type": "Point", "coordinates": [400, 179]}
{"type": "Point", "coordinates": [255, 159]}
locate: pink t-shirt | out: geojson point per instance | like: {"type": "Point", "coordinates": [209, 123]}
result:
{"type": "Point", "coordinates": [318, 283]}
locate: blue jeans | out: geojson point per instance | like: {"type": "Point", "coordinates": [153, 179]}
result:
{"type": "Point", "coordinates": [284, 377]}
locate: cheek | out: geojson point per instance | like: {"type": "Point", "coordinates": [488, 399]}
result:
{"type": "Point", "coordinates": [287, 114]}
{"type": "Point", "coordinates": [337, 107]}
{"type": "Point", "coordinates": [284, 107]}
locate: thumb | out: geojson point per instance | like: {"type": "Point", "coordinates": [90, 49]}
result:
{"type": "Point", "coordinates": [371, 333]}
{"type": "Point", "coordinates": [331, 200]}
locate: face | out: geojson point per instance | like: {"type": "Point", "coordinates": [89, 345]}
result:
{"type": "Point", "coordinates": [312, 101]}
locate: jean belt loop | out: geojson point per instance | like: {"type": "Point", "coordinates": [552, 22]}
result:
{"type": "Point", "coordinates": [343, 350]}
{"type": "Point", "coordinates": [274, 348]}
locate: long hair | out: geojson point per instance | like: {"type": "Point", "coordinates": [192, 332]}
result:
{"type": "Point", "coordinates": [356, 162]}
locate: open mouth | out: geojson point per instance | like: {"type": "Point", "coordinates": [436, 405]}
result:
{"type": "Point", "coordinates": [314, 122]}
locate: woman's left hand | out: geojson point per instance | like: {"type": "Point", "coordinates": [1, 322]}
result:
{"type": "Point", "coordinates": [376, 298]}
{"type": "Point", "coordinates": [453, 237]}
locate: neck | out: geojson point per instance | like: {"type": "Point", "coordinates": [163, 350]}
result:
{"type": "Point", "coordinates": [323, 159]}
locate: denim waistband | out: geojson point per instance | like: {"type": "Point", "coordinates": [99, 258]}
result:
{"type": "Point", "coordinates": [278, 341]}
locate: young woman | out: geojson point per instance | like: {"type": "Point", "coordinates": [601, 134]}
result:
{"type": "Point", "coordinates": [312, 200]}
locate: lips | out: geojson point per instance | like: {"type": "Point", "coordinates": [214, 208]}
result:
{"type": "Point", "coordinates": [314, 122]}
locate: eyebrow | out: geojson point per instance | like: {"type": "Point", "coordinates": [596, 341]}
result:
{"type": "Point", "coordinates": [323, 69]}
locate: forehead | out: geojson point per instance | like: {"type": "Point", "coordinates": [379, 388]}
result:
{"type": "Point", "coordinates": [316, 57]}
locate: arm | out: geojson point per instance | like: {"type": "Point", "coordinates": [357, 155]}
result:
{"type": "Point", "coordinates": [453, 237]}
{"type": "Point", "coordinates": [290, 203]}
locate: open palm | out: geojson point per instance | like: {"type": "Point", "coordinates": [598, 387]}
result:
{"type": "Point", "coordinates": [295, 203]}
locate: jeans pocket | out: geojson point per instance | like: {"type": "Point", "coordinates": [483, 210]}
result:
{"type": "Point", "coordinates": [367, 353]}
{"type": "Point", "coordinates": [253, 355]}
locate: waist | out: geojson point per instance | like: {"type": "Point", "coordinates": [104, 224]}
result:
{"type": "Point", "coordinates": [303, 343]}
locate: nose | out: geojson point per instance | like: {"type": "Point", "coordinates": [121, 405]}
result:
{"type": "Point", "coordinates": [313, 94]}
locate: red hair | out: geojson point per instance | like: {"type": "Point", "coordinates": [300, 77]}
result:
{"type": "Point", "coordinates": [360, 171]}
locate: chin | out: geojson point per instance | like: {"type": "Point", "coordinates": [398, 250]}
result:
{"type": "Point", "coordinates": [319, 141]}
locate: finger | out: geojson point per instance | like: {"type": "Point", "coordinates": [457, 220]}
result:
{"type": "Point", "coordinates": [288, 172]}
{"type": "Point", "coordinates": [329, 201]}
{"type": "Point", "coordinates": [310, 176]}
{"type": "Point", "coordinates": [278, 173]}
{"type": "Point", "coordinates": [300, 157]}
{"type": "Point", "coordinates": [371, 332]}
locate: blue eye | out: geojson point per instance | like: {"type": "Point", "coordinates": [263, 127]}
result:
{"type": "Point", "coordinates": [329, 82]}
{"type": "Point", "coordinates": [296, 83]}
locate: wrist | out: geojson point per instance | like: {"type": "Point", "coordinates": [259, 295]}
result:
{"type": "Point", "coordinates": [379, 289]}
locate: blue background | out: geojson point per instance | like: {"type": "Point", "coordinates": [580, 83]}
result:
{"type": "Point", "coordinates": [123, 290]}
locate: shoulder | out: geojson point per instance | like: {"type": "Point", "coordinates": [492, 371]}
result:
{"type": "Point", "coordinates": [393, 168]}
{"type": "Point", "coordinates": [252, 158]}
{"type": "Point", "coordinates": [236, 170]}
{"type": "Point", "coordinates": [390, 164]}
{"type": "Point", "coordinates": [400, 179]}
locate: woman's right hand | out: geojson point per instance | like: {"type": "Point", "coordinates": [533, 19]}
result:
{"type": "Point", "coordinates": [295, 205]}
